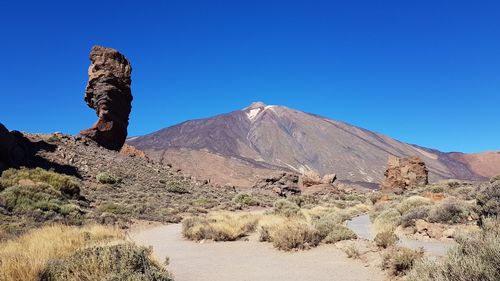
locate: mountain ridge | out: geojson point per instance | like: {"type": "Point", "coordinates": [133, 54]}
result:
{"type": "Point", "coordinates": [281, 138]}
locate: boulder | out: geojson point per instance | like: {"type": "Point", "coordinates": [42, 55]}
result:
{"type": "Point", "coordinates": [108, 92]}
{"type": "Point", "coordinates": [283, 184]}
{"type": "Point", "coordinates": [12, 153]}
{"type": "Point", "coordinates": [404, 174]}
{"type": "Point", "coordinates": [311, 178]}
{"type": "Point", "coordinates": [329, 178]}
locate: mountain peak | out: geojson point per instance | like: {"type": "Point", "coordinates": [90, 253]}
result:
{"type": "Point", "coordinates": [256, 105]}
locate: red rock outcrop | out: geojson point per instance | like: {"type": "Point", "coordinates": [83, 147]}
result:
{"type": "Point", "coordinates": [404, 173]}
{"type": "Point", "coordinates": [11, 152]}
{"type": "Point", "coordinates": [108, 92]}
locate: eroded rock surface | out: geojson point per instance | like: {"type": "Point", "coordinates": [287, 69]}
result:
{"type": "Point", "coordinates": [404, 173]}
{"type": "Point", "coordinates": [108, 92]}
{"type": "Point", "coordinates": [11, 152]}
{"type": "Point", "coordinates": [311, 178]}
{"type": "Point", "coordinates": [283, 184]}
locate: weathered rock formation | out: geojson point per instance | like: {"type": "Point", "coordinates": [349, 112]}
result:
{"type": "Point", "coordinates": [132, 151]}
{"type": "Point", "coordinates": [283, 184]}
{"type": "Point", "coordinates": [11, 152]}
{"type": "Point", "coordinates": [311, 178]}
{"type": "Point", "coordinates": [108, 92]}
{"type": "Point", "coordinates": [404, 173]}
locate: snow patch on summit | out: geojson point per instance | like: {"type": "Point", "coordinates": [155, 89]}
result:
{"type": "Point", "coordinates": [253, 113]}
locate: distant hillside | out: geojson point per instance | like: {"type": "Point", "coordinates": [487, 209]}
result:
{"type": "Point", "coordinates": [240, 146]}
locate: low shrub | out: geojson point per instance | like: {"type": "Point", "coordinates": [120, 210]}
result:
{"type": "Point", "coordinates": [176, 187]}
{"type": "Point", "coordinates": [385, 239]}
{"type": "Point", "coordinates": [246, 199]}
{"type": "Point", "coordinates": [286, 208]}
{"type": "Point", "coordinates": [219, 227]}
{"type": "Point", "coordinates": [122, 261]}
{"type": "Point", "coordinates": [68, 186]}
{"type": "Point", "coordinates": [327, 222]}
{"type": "Point", "coordinates": [303, 200]}
{"type": "Point", "coordinates": [400, 260]}
{"type": "Point", "coordinates": [412, 216]}
{"type": "Point", "coordinates": [294, 234]}
{"type": "Point", "coordinates": [488, 200]}
{"type": "Point", "coordinates": [113, 208]}
{"type": "Point", "coordinates": [410, 203]}
{"type": "Point", "coordinates": [339, 233]}
{"type": "Point", "coordinates": [388, 220]}
{"type": "Point", "coordinates": [475, 258]}
{"type": "Point", "coordinates": [352, 252]}
{"type": "Point", "coordinates": [106, 178]}
{"type": "Point", "coordinates": [449, 211]}
{"type": "Point", "coordinates": [375, 197]}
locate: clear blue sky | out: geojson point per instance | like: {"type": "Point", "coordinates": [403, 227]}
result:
{"type": "Point", "coordinates": [423, 72]}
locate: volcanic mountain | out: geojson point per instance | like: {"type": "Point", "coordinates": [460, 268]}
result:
{"type": "Point", "coordinates": [238, 147]}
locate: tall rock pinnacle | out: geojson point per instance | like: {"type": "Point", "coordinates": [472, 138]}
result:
{"type": "Point", "coordinates": [108, 92]}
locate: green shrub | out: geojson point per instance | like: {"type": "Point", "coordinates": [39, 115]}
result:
{"type": "Point", "coordinates": [39, 197]}
{"type": "Point", "coordinates": [375, 197]}
{"type": "Point", "coordinates": [388, 220]}
{"type": "Point", "coordinates": [437, 189]}
{"type": "Point", "coordinates": [303, 200]}
{"type": "Point", "coordinates": [449, 211]}
{"type": "Point", "coordinates": [106, 178]}
{"type": "Point", "coordinates": [176, 187]}
{"type": "Point", "coordinates": [410, 203]}
{"type": "Point", "coordinates": [327, 222]}
{"type": "Point", "coordinates": [385, 239]}
{"type": "Point", "coordinates": [475, 258]}
{"type": "Point", "coordinates": [339, 233]}
{"type": "Point", "coordinates": [246, 199]}
{"type": "Point", "coordinates": [67, 185]}
{"type": "Point", "coordinates": [412, 216]}
{"type": "Point", "coordinates": [113, 208]}
{"type": "Point", "coordinates": [123, 261]}
{"type": "Point", "coordinates": [488, 200]}
{"type": "Point", "coordinates": [286, 208]}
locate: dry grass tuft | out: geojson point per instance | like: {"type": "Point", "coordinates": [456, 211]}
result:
{"type": "Point", "coordinates": [294, 234]}
{"type": "Point", "coordinates": [25, 258]}
{"type": "Point", "coordinates": [222, 226]}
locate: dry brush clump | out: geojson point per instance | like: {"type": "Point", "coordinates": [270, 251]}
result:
{"type": "Point", "coordinates": [294, 235]}
{"type": "Point", "coordinates": [219, 226]}
{"type": "Point", "coordinates": [385, 239]}
{"type": "Point", "coordinates": [287, 226]}
{"type": "Point", "coordinates": [399, 260]}
{"type": "Point", "coordinates": [112, 261]}
{"type": "Point", "coordinates": [60, 252]}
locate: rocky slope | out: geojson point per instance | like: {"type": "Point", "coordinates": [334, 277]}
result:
{"type": "Point", "coordinates": [115, 186]}
{"type": "Point", "coordinates": [261, 138]}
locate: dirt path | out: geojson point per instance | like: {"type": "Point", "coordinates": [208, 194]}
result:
{"type": "Point", "coordinates": [249, 260]}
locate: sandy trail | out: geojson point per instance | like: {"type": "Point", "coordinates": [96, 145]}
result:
{"type": "Point", "coordinates": [249, 260]}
